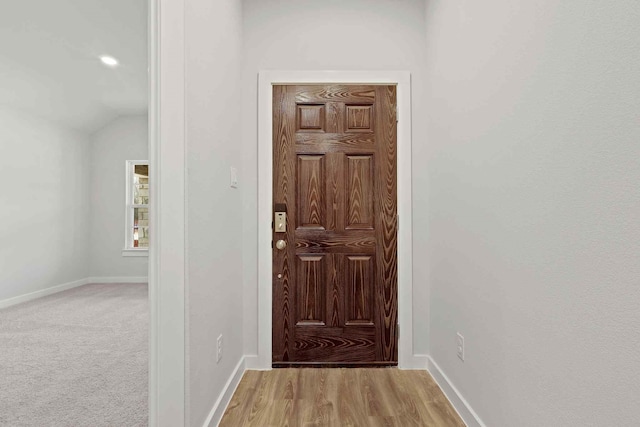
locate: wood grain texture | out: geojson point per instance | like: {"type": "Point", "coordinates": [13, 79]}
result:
{"type": "Point", "coordinates": [335, 291]}
{"type": "Point", "coordinates": [335, 191]}
{"type": "Point", "coordinates": [331, 344]}
{"type": "Point", "coordinates": [337, 141]}
{"type": "Point", "coordinates": [356, 241]}
{"type": "Point", "coordinates": [354, 397]}
{"type": "Point", "coordinates": [359, 118]}
{"type": "Point", "coordinates": [310, 118]}
{"type": "Point", "coordinates": [310, 189]}
{"type": "Point", "coordinates": [386, 224]}
{"type": "Point", "coordinates": [284, 165]}
{"type": "Point", "coordinates": [360, 281]}
{"type": "Point", "coordinates": [360, 179]}
{"type": "Point", "coordinates": [335, 114]}
{"type": "Point", "coordinates": [310, 289]}
{"type": "Point", "coordinates": [354, 94]}
{"type": "Point", "coordinates": [335, 284]}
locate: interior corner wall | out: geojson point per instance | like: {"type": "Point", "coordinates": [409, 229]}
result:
{"type": "Point", "coordinates": [533, 170]}
{"type": "Point", "coordinates": [213, 47]}
{"type": "Point", "coordinates": [330, 35]}
{"type": "Point", "coordinates": [125, 138]}
{"type": "Point", "coordinates": [44, 219]}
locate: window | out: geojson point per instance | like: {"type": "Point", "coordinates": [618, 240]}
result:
{"type": "Point", "coordinates": [137, 209]}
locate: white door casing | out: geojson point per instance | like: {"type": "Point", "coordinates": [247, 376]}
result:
{"type": "Point", "coordinates": [402, 79]}
{"type": "Point", "coordinates": [167, 256]}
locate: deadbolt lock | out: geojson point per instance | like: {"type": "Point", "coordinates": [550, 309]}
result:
{"type": "Point", "coordinates": [280, 222]}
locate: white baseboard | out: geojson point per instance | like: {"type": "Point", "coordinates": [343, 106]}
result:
{"type": "Point", "coordinates": [70, 285]}
{"type": "Point", "coordinates": [42, 293]}
{"type": "Point", "coordinates": [252, 362]}
{"type": "Point", "coordinates": [459, 403]}
{"type": "Point", "coordinates": [130, 279]}
{"type": "Point", "coordinates": [225, 397]}
{"type": "Point", "coordinates": [416, 361]}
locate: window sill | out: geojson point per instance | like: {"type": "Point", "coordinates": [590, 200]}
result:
{"type": "Point", "coordinates": [135, 252]}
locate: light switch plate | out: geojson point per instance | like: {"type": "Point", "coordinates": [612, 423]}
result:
{"type": "Point", "coordinates": [234, 177]}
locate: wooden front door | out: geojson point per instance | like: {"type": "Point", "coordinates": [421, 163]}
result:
{"type": "Point", "coordinates": [334, 174]}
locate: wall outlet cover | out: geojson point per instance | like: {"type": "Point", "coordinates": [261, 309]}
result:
{"type": "Point", "coordinates": [219, 349]}
{"type": "Point", "coordinates": [234, 177]}
{"type": "Point", "coordinates": [460, 346]}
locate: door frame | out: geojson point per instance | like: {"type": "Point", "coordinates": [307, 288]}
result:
{"type": "Point", "coordinates": [266, 79]}
{"type": "Point", "coordinates": [167, 207]}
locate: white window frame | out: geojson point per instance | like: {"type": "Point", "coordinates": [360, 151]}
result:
{"type": "Point", "coordinates": [129, 250]}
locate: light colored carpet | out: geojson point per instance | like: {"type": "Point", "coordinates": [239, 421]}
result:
{"type": "Point", "coordinates": [76, 358]}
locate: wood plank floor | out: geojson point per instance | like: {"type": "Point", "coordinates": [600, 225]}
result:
{"type": "Point", "coordinates": [340, 397]}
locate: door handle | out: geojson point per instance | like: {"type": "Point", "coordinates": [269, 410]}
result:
{"type": "Point", "coordinates": [281, 244]}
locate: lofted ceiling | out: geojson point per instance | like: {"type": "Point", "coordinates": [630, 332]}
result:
{"type": "Point", "coordinates": [50, 66]}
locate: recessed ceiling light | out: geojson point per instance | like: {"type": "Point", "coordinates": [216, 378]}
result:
{"type": "Point", "coordinates": [109, 61]}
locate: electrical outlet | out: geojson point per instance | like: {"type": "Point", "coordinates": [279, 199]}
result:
{"type": "Point", "coordinates": [460, 346]}
{"type": "Point", "coordinates": [219, 349]}
{"type": "Point", "coordinates": [233, 177]}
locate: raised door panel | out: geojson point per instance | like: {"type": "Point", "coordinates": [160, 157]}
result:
{"type": "Point", "coordinates": [311, 191]}
{"type": "Point", "coordinates": [359, 118]}
{"type": "Point", "coordinates": [360, 287]}
{"type": "Point", "coordinates": [310, 289]}
{"type": "Point", "coordinates": [360, 183]}
{"type": "Point", "coordinates": [310, 118]}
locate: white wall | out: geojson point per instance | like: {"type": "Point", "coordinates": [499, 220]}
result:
{"type": "Point", "coordinates": [328, 35]}
{"type": "Point", "coordinates": [125, 138]}
{"type": "Point", "coordinates": [44, 214]}
{"type": "Point", "coordinates": [533, 153]}
{"type": "Point", "coordinates": [214, 220]}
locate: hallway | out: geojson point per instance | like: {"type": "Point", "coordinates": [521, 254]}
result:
{"type": "Point", "coordinates": [345, 397]}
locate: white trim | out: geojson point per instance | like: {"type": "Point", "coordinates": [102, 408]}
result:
{"type": "Point", "coordinates": [118, 279]}
{"type": "Point", "coordinates": [69, 285]}
{"type": "Point", "coordinates": [167, 250]}
{"type": "Point", "coordinates": [216, 413]}
{"type": "Point", "coordinates": [153, 129]}
{"type": "Point", "coordinates": [417, 361]}
{"type": "Point", "coordinates": [135, 252]}
{"type": "Point", "coordinates": [405, 276]}
{"type": "Point", "coordinates": [42, 293]}
{"type": "Point", "coordinates": [252, 362]}
{"type": "Point", "coordinates": [458, 402]}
